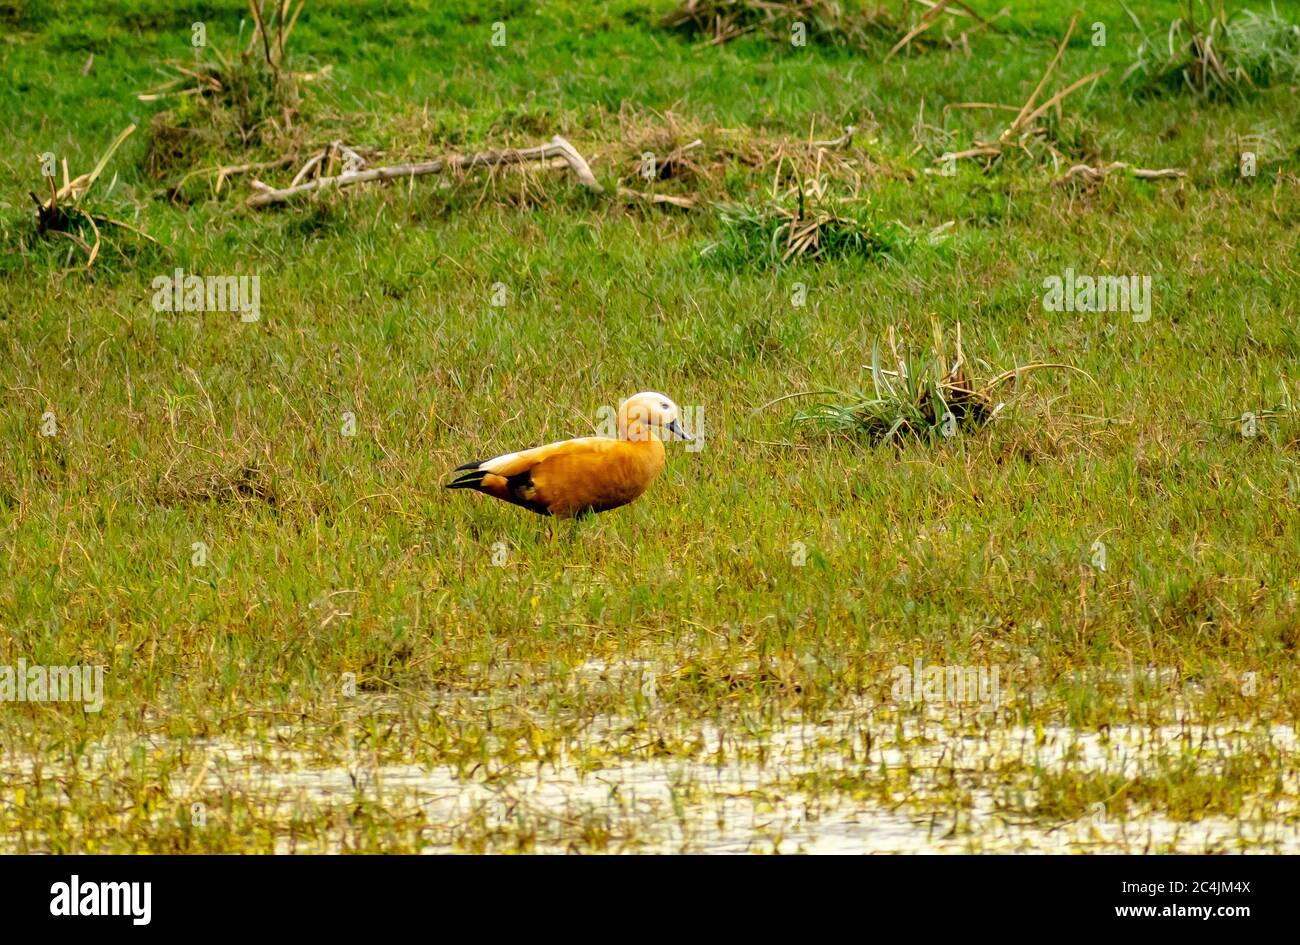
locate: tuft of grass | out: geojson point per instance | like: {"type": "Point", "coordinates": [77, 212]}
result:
{"type": "Point", "coordinates": [232, 99]}
{"type": "Point", "coordinates": [842, 24]}
{"type": "Point", "coordinates": [775, 234]}
{"type": "Point", "coordinates": [1033, 129]}
{"type": "Point", "coordinates": [70, 211]}
{"type": "Point", "coordinates": [925, 396]}
{"type": "Point", "coordinates": [1217, 56]}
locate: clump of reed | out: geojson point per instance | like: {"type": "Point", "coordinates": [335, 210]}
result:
{"type": "Point", "coordinates": [71, 212]}
{"type": "Point", "coordinates": [1216, 54]}
{"type": "Point", "coordinates": [927, 395]}
{"type": "Point", "coordinates": [803, 226]}
{"type": "Point", "coordinates": [228, 98]}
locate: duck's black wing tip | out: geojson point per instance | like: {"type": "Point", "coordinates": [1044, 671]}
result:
{"type": "Point", "coordinates": [467, 480]}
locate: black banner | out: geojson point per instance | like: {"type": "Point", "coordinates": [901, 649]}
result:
{"type": "Point", "coordinates": [141, 896]}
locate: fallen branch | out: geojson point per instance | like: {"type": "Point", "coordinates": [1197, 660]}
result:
{"type": "Point", "coordinates": [839, 142]}
{"type": "Point", "coordinates": [1164, 173]}
{"type": "Point", "coordinates": [1093, 175]}
{"type": "Point", "coordinates": [556, 148]}
{"type": "Point", "coordinates": [232, 170]}
{"type": "Point", "coordinates": [689, 202]}
{"type": "Point", "coordinates": [353, 162]}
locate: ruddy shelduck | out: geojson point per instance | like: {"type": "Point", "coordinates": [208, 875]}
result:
{"type": "Point", "coordinates": [589, 474]}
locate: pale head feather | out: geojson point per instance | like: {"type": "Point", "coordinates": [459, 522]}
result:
{"type": "Point", "coordinates": [650, 415]}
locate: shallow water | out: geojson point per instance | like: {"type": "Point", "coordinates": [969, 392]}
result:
{"type": "Point", "coordinates": [702, 805]}
{"type": "Point", "coordinates": [867, 779]}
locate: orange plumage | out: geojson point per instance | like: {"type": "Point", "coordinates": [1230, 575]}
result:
{"type": "Point", "coordinates": [589, 474]}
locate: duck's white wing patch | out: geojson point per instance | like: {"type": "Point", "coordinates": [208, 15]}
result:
{"type": "Point", "coordinates": [498, 462]}
{"type": "Point", "coordinates": [511, 463]}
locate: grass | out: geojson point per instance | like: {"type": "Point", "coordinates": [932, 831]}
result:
{"type": "Point", "coordinates": [763, 582]}
{"type": "Point", "coordinates": [1213, 52]}
{"type": "Point", "coordinates": [764, 236]}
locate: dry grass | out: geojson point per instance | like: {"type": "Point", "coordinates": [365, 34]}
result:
{"type": "Point", "coordinates": [1030, 132]}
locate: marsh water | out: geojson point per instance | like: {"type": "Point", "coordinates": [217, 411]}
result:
{"type": "Point", "coordinates": [809, 787]}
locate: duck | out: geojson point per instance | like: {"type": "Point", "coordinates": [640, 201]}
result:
{"type": "Point", "coordinates": [575, 478]}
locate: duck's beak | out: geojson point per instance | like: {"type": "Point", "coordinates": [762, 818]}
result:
{"type": "Point", "coordinates": [676, 430]}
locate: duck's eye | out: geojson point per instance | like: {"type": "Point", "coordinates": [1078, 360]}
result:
{"type": "Point", "coordinates": [663, 406]}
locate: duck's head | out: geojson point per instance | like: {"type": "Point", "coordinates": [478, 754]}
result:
{"type": "Point", "coordinates": [650, 416]}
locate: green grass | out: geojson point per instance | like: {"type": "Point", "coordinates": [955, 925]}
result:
{"type": "Point", "coordinates": [767, 579]}
{"type": "Point", "coordinates": [1213, 52]}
